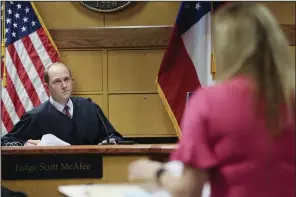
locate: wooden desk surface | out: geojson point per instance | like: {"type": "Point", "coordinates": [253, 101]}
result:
{"type": "Point", "coordinates": [101, 149]}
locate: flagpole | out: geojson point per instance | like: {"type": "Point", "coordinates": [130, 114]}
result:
{"type": "Point", "coordinates": [213, 63]}
{"type": "Point", "coordinates": [3, 45]}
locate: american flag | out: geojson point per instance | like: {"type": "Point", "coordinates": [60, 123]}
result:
{"type": "Point", "coordinates": [187, 62]}
{"type": "Point", "coordinates": [29, 49]}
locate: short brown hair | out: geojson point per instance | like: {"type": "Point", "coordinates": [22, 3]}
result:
{"type": "Point", "coordinates": [46, 71]}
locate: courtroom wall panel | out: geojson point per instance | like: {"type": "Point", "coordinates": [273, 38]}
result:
{"type": "Point", "coordinates": [74, 15]}
{"type": "Point", "coordinates": [284, 12]}
{"type": "Point", "coordinates": [144, 13]}
{"type": "Point", "coordinates": [120, 175]}
{"type": "Point", "coordinates": [139, 115]}
{"type": "Point", "coordinates": [87, 69]}
{"type": "Point", "coordinates": [60, 15]}
{"type": "Point", "coordinates": [133, 70]}
{"type": "Point", "coordinates": [57, 15]}
{"type": "Point", "coordinates": [122, 82]}
{"type": "Point", "coordinates": [87, 72]}
{"type": "Point", "coordinates": [95, 97]}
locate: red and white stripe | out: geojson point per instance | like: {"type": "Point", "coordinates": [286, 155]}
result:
{"type": "Point", "coordinates": [197, 42]}
{"type": "Point", "coordinates": [186, 66]}
{"type": "Point", "coordinates": [25, 62]}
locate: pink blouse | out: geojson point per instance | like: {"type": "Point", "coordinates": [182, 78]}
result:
{"type": "Point", "coordinates": [224, 134]}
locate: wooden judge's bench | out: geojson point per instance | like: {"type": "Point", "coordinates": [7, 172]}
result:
{"type": "Point", "coordinates": [21, 165]}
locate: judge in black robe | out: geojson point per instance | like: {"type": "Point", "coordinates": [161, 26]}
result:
{"type": "Point", "coordinates": [88, 125]}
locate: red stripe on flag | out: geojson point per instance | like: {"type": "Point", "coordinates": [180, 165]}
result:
{"type": "Point", "coordinates": [34, 57]}
{"type": "Point", "coordinates": [52, 52]}
{"type": "Point", "coordinates": [20, 110]}
{"type": "Point", "coordinates": [6, 118]}
{"type": "Point", "coordinates": [11, 91]}
{"type": "Point", "coordinates": [177, 75]}
{"type": "Point", "coordinates": [22, 73]}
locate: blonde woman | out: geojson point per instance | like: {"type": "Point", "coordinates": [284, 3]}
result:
{"type": "Point", "coordinates": [238, 135]}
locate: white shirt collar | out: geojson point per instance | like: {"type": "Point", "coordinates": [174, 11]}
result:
{"type": "Point", "coordinates": [61, 107]}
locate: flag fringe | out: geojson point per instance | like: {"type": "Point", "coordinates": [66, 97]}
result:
{"type": "Point", "coordinates": [44, 27]}
{"type": "Point", "coordinates": [169, 110]}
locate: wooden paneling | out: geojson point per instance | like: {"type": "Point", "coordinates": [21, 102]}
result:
{"type": "Point", "coordinates": [290, 32]}
{"type": "Point", "coordinates": [74, 15]}
{"type": "Point", "coordinates": [133, 70]}
{"type": "Point", "coordinates": [283, 11]}
{"type": "Point", "coordinates": [97, 98]}
{"type": "Point", "coordinates": [68, 15]}
{"type": "Point", "coordinates": [139, 115]}
{"type": "Point", "coordinates": [126, 37]}
{"type": "Point", "coordinates": [144, 13]}
{"type": "Point", "coordinates": [113, 37]}
{"type": "Point", "coordinates": [118, 172]}
{"type": "Point", "coordinates": [86, 69]}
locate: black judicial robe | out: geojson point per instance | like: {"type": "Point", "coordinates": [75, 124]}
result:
{"type": "Point", "coordinates": [5, 192]}
{"type": "Point", "coordinates": [84, 128]}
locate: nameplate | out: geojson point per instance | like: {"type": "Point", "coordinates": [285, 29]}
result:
{"type": "Point", "coordinates": [51, 166]}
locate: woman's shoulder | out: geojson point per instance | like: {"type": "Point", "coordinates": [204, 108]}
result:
{"type": "Point", "coordinates": [238, 83]}
{"type": "Point", "coordinates": [235, 90]}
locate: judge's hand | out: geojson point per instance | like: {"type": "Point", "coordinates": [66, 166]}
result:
{"type": "Point", "coordinates": [143, 169]}
{"type": "Point", "coordinates": [112, 141]}
{"type": "Point", "coordinates": [32, 142]}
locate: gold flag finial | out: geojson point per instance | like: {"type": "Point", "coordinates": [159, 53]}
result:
{"type": "Point", "coordinates": [3, 70]}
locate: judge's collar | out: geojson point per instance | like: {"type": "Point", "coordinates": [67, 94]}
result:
{"type": "Point", "coordinates": [60, 106]}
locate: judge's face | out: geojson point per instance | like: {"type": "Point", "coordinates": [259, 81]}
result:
{"type": "Point", "coordinates": [60, 83]}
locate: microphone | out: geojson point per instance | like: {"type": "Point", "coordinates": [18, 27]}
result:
{"type": "Point", "coordinates": [106, 130]}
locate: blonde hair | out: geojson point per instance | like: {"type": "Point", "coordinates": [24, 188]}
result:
{"type": "Point", "coordinates": [249, 41]}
